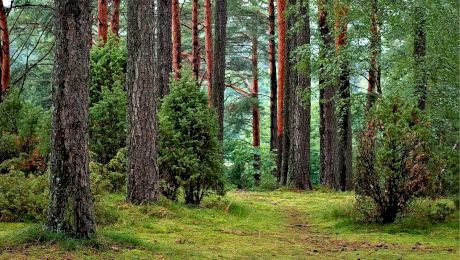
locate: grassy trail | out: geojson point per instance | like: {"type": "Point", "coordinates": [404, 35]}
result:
{"type": "Point", "coordinates": [243, 225]}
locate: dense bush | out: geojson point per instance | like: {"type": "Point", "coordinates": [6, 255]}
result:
{"type": "Point", "coordinates": [24, 139]}
{"type": "Point", "coordinates": [393, 158]}
{"type": "Point", "coordinates": [239, 172]}
{"type": "Point", "coordinates": [110, 177]}
{"type": "Point", "coordinates": [190, 155]}
{"type": "Point", "coordinates": [23, 198]}
{"type": "Point", "coordinates": [108, 99]}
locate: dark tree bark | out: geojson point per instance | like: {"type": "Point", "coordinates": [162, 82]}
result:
{"type": "Point", "coordinates": [344, 134]}
{"type": "Point", "coordinates": [281, 82]}
{"type": "Point", "coordinates": [164, 50]}
{"type": "Point", "coordinates": [327, 92]}
{"type": "Point", "coordinates": [218, 77]}
{"type": "Point", "coordinates": [143, 172]}
{"type": "Point", "coordinates": [103, 19]}
{"type": "Point", "coordinates": [299, 168]}
{"type": "Point", "coordinates": [176, 38]}
{"type": "Point", "coordinates": [208, 45]}
{"type": "Point", "coordinates": [5, 55]}
{"type": "Point", "coordinates": [420, 70]}
{"type": "Point", "coordinates": [195, 40]}
{"type": "Point", "coordinates": [255, 111]}
{"type": "Point", "coordinates": [115, 22]}
{"type": "Point", "coordinates": [71, 204]}
{"type": "Point", "coordinates": [374, 88]}
{"type": "Point", "coordinates": [273, 77]}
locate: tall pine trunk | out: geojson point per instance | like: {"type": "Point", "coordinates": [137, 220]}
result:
{"type": "Point", "coordinates": [281, 82]}
{"type": "Point", "coordinates": [374, 88]}
{"type": "Point", "coordinates": [327, 93]}
{"type": "Point", "coordinates": [208, 45]}
{"type": "Point", "coordinates": [164, 50]}
{"type": "Point", "coordinates": [218, 77]}
{"type": "Point", "coordinates": [299, 166]}
{"type": "Point", "coordinates": [71, 204]}
{"type": "Point", "coordinates": [273, 77]}
{"type": "Point", "coordinates": [344, 131]}
{"type": "Point", "coordinates": [143, 172]}
{"type": "Point", "coordinates": [195, 40]}
{"type": "Point", "coordinates": [176, 38]}
{"type": "Point", "coordinates": [115, 22]}
{"type": "Point", "coordinates": [102, 19]}
{"type": "Point", "coordinates": [255, 111]}
{"type": "Point", "coordinates": [5, 55]}
{"type": "Point", "coordinates": [420, 69]}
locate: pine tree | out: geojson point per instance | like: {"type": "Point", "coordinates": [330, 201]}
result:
{"type": "Point", "coordinates": [70, 208]}
{"type": "Point", "coordinates": [143, 170]}
{"type": "Point", "coordinates": [115, 22]}
{"type": "Point", "coordinates": [218, 77]}
{"type": "Point", "coordinates": [5, 55]}
{"type": "Point", "coordinates": [103, 19]}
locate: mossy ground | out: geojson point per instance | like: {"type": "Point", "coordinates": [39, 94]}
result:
{"type": "Point", "coordinates": [254, 225]}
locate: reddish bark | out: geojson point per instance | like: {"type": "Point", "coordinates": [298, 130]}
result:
{"type": "Point", "coordinates": [281, 63]}
{"type": "Point", "coordinates": [115, 23]}
{"type": "Point", "coordinates": [273, 78]}
{"type": "Point", "coordinates": [103, 19]}
{"type": "Point", "coordinates": [176, 38]}
{"type": "Point", "coordinates": [195, 40]}
{"type": "Point", "coordinates": [208, 44]}
{"type": "Point", "coordinates": [5, 55]}
{"type": "Point", "coordinates": [255, 112]}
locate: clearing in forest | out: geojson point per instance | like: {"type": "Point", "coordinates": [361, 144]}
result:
{"type": "Point", "coordinates": [263, 225]}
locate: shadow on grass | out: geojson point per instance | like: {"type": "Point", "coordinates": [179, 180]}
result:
{"type": "Point", "coordinates": [104, 240]}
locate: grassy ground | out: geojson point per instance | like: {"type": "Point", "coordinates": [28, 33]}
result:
{"type": "Point", "coordinates": [243, 225]}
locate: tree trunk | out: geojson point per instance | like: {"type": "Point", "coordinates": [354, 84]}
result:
{"type": "Point", "coordinates": [218, 77]}
{"type": "Point", "coordinates": [195, 40]}
{"type": "Point", "coordinates": [374, 89]}
{"type": "Point", "coordinates": [281, 78]}
{"type": "Point", "coordinates": [255, 111]}
{"type": "Point", "coordinates": [344, 134]}
{"type": "Point", "coordinates": [176, 38]}
{"type": "Point", "coordinates": [208, 45]}
{"type": "Point", "coordinates": [115, 23]}
{"type": "Point", "coordinates": [420, 70]}
{"type": "Point", "coordinates": [299, 168]}
{"type": "Point", "coordinates": [143, 172]}
{"type": "Point", "coordinates": [71, 204]}
{"type": "Point", "coordinates": [273, 78]}
{"type": "Point", "coordinates": [103, 19]}
{"type": "Point", "coordinates": [5, 55]}
{"type": "Point", "coordinates": [164, 50]}
{"type": "Point", "coordinates": [327, 90]}
{"type": "Point", "coordinates": [290, 83]}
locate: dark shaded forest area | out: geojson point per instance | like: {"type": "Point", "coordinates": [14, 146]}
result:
{"type": "Point", "coordinates": [288, 129]}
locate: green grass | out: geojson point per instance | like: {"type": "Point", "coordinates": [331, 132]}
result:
{"type": "Point", "coordinates": [265, 225]}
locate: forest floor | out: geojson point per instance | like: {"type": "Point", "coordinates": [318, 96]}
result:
{"type": "Point", "coordinates": [242, 225]}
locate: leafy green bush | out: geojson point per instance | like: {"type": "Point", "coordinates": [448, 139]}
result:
{"type": "Point", "coordinates": [108, 67]}
{"type": "Point", "coordinates": [189, 150]}
{"type": "Point", "coordinates": [23, 198]}
{"type": "Point", "coordinates": [393, 157]}
{"type": "Point", "coordinates": [108, 99]}
{"type": "Point", "coordinates": [440, 213]}
{"type": "Point", "coordinates": [25, 136]}
{"type": "Point", "coordinates": [108, 124]}
{"type": "Point", "coordinates": [110, 177]}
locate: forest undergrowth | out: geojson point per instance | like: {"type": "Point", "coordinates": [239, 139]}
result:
{"type": "Point", "coordinates": [266, 225]}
